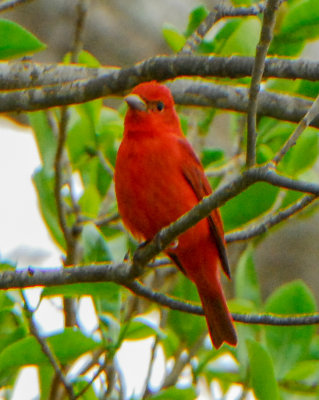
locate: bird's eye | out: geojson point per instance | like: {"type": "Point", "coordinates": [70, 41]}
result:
{"type": "Point", "coordinates": [160, 106]}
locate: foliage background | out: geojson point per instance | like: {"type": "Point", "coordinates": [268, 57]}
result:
{"type": "Point", "coordinates": [273, 362]}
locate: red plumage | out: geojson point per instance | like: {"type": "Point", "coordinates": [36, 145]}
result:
{"type": "Point", "coordinates": [158, 178]}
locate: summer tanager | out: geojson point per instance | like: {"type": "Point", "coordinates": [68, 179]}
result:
{"type": "Point", "coordinates": [158, 178]}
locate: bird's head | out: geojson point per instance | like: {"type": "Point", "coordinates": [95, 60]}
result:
{"type": "Point", "coordinates": [151, 108]}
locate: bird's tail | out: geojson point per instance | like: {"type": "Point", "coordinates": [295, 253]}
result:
{"type": "Point", "coordinates": [218, 317]}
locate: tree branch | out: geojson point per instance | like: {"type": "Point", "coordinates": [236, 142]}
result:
{"type": "Point", "coordinates": [207, 94]}
{"type": "Point", "coordinates": [47, 351]}
{"type": "Point", "coordinates": [220, 11]}
{"type": "Point", "coordinates": [269, 221]}
{"type": "Point", "coordinates": [312, 113]}
{"type": "Point", "coordinates": [259, 319]}
{"type": "Point", "coordinates": [266, 34]}
{"type": "Point", "coordinates": [50, 85]}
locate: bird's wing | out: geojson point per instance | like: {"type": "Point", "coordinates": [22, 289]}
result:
{"type": "Point", "coordinates": [195, 176]}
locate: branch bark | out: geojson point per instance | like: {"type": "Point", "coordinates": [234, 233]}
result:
{"type": "Point", "coordinates": [266, 34]}
{"type": "Point", "coordinates": [29, 86]}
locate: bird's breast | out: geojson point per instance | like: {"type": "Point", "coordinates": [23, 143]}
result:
{"type": "Point", "coordinates": [151, 189]}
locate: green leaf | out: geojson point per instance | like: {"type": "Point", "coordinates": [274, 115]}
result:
{"type": "Point", "coordinates": [303, 370]}
{"type": "Point", "coordinates": [289, 344]}
{"type": "Point", "coordinates": [46, 376]}
{"type": "Point", "coordinates": [195, 18]}
{"type": "Point", "coordinates": [67, 346]}
{"type": "Point", "coordinates": [243, 2]}
{"type": "Point", "coordinates": [301, 21]}
{"type": "Point", "coordinates": [71, 344]}
{"type": "Point", "coordinates": [281, 46]}
{"type": "Point", "coordinates": [264, 154]}
{"type": "Point", "coordinates": [109, 129]}
{"type": "Point", "coordinates": [7, 265]}
{"type": "Point", "coordinates": [81, 138]}
{"type": "Point", "coordinates": [274, 133]}
{"type": "Point", "coordinates": [175, 393]}
{"type": "Point", "coordinates": [250, 204]}
{"type": "Point", "coordinates": [16, 41]}
{"type": "Point", "coordinates": [11, 336]}
{"type": "Point", "coordinates": [244, 332]}
{"type": "Point", "coordinates": [303, 155]}
{"type": "Point", "coordinates": [44, 183]}
{"type": "Point", "coordinates": [141, 328]}
{"type": "Point", "coordinates": [298, 23]}
{"type": "Point", "coordinates": [95, 247]}
{"type": "Point", "coordinates": [239, 36]}
{"type": "Point", "coordinates": [91, 110]}
{"type": "Point", "coordinates": [246, 280]}
{"type": "Point", "coordinates": [262, 372]}
{"type": "Point", "coordinates": [111, 301]}
{"type": "Point", "coordinates": [88, 59]}
{"type": "Point", "coordinates": [99, 289]}
{"type": "Point", "coordinates": [210, 156]}
{"type": "Point", "coordinates": [170, 343]}
{"type": "Point", "coordinates": [186, 326]}
{"type": "Point", "coordinates": [79, 384]}
{"type": "Point", "coordinates": [173, 37]}
{"type": "Point", "coordinates": [44, 136]}
{"type": "Point", "coordinates": [90, 201]}
{"type": "Point", "coordinates": [308, 88]}
{"type": "Point", "coordinates": [111, 328]}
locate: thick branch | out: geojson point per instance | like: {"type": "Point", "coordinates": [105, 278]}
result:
{"type": "Point", "coordinates": [186, 92]}
{"type": "Point", "coordinates": [56, 86]}
{"type": "Point", "coordinates": [25, 74]}
{"type": "Point", "coordinates": [202, 93]}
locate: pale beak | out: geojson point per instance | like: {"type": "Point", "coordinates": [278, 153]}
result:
{"type": "Point", "coordinates": [135, 102]}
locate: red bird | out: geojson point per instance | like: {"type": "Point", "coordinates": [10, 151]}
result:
{"type": "Point", "coordinates": [158, 178]}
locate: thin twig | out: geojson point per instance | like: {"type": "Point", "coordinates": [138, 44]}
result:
{"type": "Point", "coordinates": [47, 351]}
{"type": "Point", "coordinates": [259, 319]}
{"type": "Point", "coordinates": [269, 221]}
{"type": "Point", "coordinates": [258, 70]}
{"type": "Point", "coordinates": [58, 167]}
{"type": "Point", "coordinates": [312, 113]}
{"type": "Point", "coordinates": [89, 383]}
{"type": "Point", "coordinates": [181, 362]}
{"type": "Point", "coordinates": [81, 11]}
{"type": "Point", "coordinates": [220, 11]}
